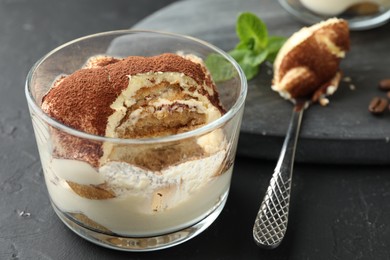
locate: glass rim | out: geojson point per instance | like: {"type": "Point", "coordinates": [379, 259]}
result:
{"type": "Point", "coordinates": [239, 102]}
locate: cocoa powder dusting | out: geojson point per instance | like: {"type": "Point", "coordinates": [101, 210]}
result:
{"type": "Point", "coordinates": [306, 55]}
{"type": "Point", "coordinates": [82, 100]}
{"type": "Point", "coordinates": [163, 63]}
{"type": "Point", "coordinates": [73, 101]}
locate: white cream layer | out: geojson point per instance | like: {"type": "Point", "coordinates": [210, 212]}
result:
{"type": "Point", "coordinates": [145, 206]}
{"type": "Point", "coordinates": [146, 203]}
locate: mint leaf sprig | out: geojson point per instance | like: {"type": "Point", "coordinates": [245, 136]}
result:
{"type": "Point", "coordinates": [254, 47]}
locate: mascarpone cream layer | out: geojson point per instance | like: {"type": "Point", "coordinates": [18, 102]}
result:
{"type": "Point", "coordinates": [145, 203]}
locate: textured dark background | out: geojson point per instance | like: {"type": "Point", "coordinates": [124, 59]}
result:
{"type": "Point", "coordinates": [337, 212]}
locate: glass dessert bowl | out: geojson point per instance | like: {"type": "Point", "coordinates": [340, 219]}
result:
{"type": "Point", "coordinates": [137, 179]}
{"type": "Point", "coordinates": [360, 14]}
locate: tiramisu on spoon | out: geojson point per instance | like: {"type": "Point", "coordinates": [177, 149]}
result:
{"type": "Point", "coordinates": [306, 70]}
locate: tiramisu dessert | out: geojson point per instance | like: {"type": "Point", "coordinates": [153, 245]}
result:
{"type": "Point", "coordinates": [141, 187]}
{"type": "Point", "coordinates": [307, 65]}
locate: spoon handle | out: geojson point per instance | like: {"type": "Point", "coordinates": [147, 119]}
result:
{"type": "Point", "coordinates": [271, 222]}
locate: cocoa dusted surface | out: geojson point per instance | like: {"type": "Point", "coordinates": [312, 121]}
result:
{"type": "Point", "coordinates": [320, 63]}
{"type": "Point", "coordinates": [337, 211]}
{"type": "Point", "coordinates": [82, 100]}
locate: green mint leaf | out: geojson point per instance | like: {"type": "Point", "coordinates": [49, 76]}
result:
{"type": "Point", "coordinates": [238, 54]}
{"type": "Point", "coordinates": [275, 43]}
{"type": "Point", "coordinates": [249, 61]}
{"type": "Point", "coordinates": [250, 28]}
{"type": "Point", "coordinates": [248, 45]}
{"type": "Point", "coordinates": [254, 47]}
{"type": "Point", "coordinates": [255, 59]}
{"type": "Point", "coordinates": [249, 70]}
{"type": "Point", "coordinates": [273, 47]}
{"type": "Point", "coordinates": [249, 57]}
{"type": "Point", "coordinates": [220, 68]}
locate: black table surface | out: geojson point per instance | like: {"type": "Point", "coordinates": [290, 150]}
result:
{"type": "Point", "coordinates": [337, 211]}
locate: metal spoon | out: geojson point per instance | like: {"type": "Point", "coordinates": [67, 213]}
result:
{"type": "Point", "coordinates": [271, 221]}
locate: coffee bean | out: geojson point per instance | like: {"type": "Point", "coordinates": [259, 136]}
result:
{"type": "Point", "coordinates": [388, 94]}
{"type": "Point", "coordinates": [378, 105]}
{"type": "Point", "coordinates": [384, 84]}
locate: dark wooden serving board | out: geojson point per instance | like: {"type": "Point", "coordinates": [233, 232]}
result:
{"type": "Point", "coordinates": [342, 132]}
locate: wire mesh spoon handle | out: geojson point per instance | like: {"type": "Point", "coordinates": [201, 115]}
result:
{"type": "Point", "coordinates": [271, 221]}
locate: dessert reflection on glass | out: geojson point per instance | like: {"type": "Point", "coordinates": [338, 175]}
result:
{"type": "Point", "coordinates": [137, 151]}
{"type": "Point", "coordinates": [307, 66]}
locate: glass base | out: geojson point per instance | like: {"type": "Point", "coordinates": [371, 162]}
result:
{"type": "Point", "coordinates": [133, 244]}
